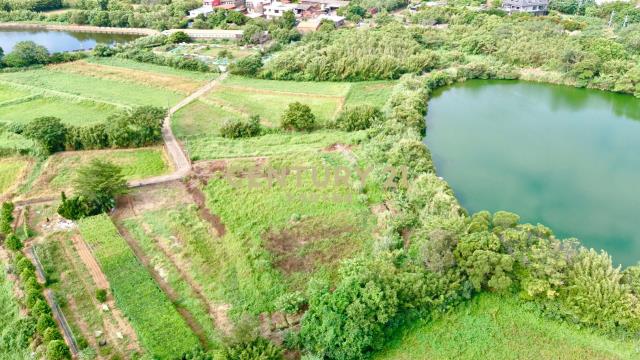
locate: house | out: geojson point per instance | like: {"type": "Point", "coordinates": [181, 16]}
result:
{"type": "Point", "coordinates": [209, 6]}
{"type": "Point", "coordinates": [277, 9]}
{"type": "Point", "coordinates": [534, 7]}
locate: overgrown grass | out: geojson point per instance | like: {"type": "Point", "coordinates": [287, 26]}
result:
{"type": "Point", "coordinates": [8, 94]}
{"type": "Point", "coordinates": [160, 328]}
{"type": "Point", "coordinates": [278, 237]}
{"type": "Point", "coordinates": [59, 172]}
{"type": "Point", "coordinates": [495, 327]}
{"type": "Point", "coordinates": [9, 314]}
{"type": "Point", "coordinates": [212, 147]}
{"type": "Point", "coordinates": [11, 169]}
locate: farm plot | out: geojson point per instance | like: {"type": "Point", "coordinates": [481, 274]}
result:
{"type": "Point", "coordinates": [183, 85]}
{"type": "Point", "coordinates": [270, 105]}
{"type": "Point", "coordinates": [161, 330]}
{"type": "Point", "coordinates": [72, 112]}
{"type": "Point", "coordinates": [151, 68]}
{"type": "Point", "coordinates": [201, 119]}
{"type": "Point", "coordinates": [72, 282]}
{"type": "Point", "coordinates": [155, 232]}
{"type": "Point", "coordinates": [278, 236]}
{"type": "Point", "coordinates": [11, 169]}
{"type": "Point", "coordinates": [110, 91]}
{"type": "Point", "coordinates": [59, 171]}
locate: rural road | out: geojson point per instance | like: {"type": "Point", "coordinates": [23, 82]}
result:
{"type": "Point", "coordinates": [181, 162]}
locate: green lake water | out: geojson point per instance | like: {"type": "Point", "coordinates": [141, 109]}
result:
{"type": "Point", "coordinates": [564, 157]}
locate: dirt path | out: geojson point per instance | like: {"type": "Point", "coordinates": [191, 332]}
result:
{"type": "Point", "coordinates": [90, 262]}
{"type": "Point", "coordinates": [164, 286]}
{"type": "Point", "coordinates": [181, 162]}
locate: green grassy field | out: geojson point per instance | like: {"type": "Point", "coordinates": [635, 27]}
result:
{"type": "Point", "coordinates": [212, 147]}
{"type": "Point", "coordinates": [93, 88]}
{"type": "Point", "coordinates": [201, 119]}
{"type": "Point", "coordinates": [79, 113]}
{"type": "Point", "coordinates": [494, 327]}
{"type": "Point", "coordinates": [59, 171]}
{"type": "Point", "coordinates": [12, 346]}
{"type": "Point", "coordinates": [288, 232]}
{"type": "Point", "coordinates": [374, 93]}
{"type": "Point", "coordinates": [161, 330]}
{"type": "Point", "coordinates": [9, 94]}
{"type": "Point", "coordinates": [304, 87]}
{"type": "Point", "coordinates": [10, 171]}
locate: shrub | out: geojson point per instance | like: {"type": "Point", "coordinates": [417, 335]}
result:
{"type": "Point", "coordinates": [235, 129]}
{"type": "Point", "coordinates": [298, 117]}
{"type": "Point", "coordinates": [103, 50]}
{"type": "Point", "coordinates": [248, 66]}
{"type": "Point", "coordinates": [413, 154]}
{"type": "Point", "coordinates": [596, 295]}
{"type": "Point", "coordinates": [359, 117]}
{"type": "Point", "coordinates": [137, 128]}
{"type": "Point", "coordinates": [27, 53]}
{"type": "Point", "coordinates": [505, 219]}
{"type": "Point", "coordinates": [50, 132]}
{"type": "Point", "coordinates": [45, 321]}
{"type": "Point", "coordinates": [58, 350]}
{"type": "Point", "coordinates": [245, 342]}
{"type": "Point", "coordinates": [101, 295]}
{"type": "Point", "coordinates": [73, 209]}
{"type": "Point", "coordinates": [479, 255]}
{"type": "Point", "coordinates": [12, 242]}
{"type": "Point", "coordinates": [51, 334]}
{"type": "Point", "coordinates": [178, 37]}
{"type": "Point", "coordinates": [6, 218]}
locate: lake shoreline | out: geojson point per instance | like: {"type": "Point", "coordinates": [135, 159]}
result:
{"type": "Point", "coordinates": [77, 28]}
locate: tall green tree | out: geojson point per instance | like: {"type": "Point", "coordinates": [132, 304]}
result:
{"type": "Point", "coordinates": [27, 53]}
{"type": "Point", "coordinates": [49, 131]}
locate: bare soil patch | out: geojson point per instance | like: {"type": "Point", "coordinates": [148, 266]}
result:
{"type": "Point", "coordinates": [295, 247]}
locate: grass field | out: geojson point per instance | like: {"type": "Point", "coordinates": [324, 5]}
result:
{"type": "Point", "coordinates": [161, 330]}
{"type": "Point", "coordinates": [79, 113]}
{"type": "Point", "coordinates": [201, 77]}
{"type": "Point", "coordinates": [59, 171]}
{"type": "Point", "coordinates": [201, 119]}
{"type": "Point", "coordinates": [277, 237]}
{"type": "Point", "coordinates": [93, 88]}
{"type": "Point", "coordinates": [71, 281]}
{"type": "Point", "coordinates": [12, 347]}
{"type": "Point", "coordinates": [11, 169]}
{"type": "Point", "coordinates": [494, 327]}
{"type": "Point", "coordinates": [212, 147]}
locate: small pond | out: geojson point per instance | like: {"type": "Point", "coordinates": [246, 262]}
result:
{"type": "Point", "coordinates": [59, 41]}
{"type": "Point", "coordinates": [565, 157]}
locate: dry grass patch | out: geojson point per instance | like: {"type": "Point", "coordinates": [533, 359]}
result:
{"type": "Point", "coordinates": [11, 170]}
{"type": "Point", "coordinates": [165, 81]}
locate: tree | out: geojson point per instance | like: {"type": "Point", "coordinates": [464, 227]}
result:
{"type": "Point", "coordinates": [99, 183]}
{"type": "Point", "coordinates": [248, 66]}
{"type": "Point", "coordinates": [359, 117]}
{"type": "Point", "coordinates": [290, 304]}
{"type": "Point", "coordinates": [235, 129]}
{"type": "Point", "coordinates": [178, 37]}
{"type": "Point", "coordinates": [27, 53]}
{"type": "Point", "coordinates": [288, 20]}
{"type": "Point", "coordinates": [58, 350]}
{"type": "Point", "coordinates": [298, 117]}
{"type": "Point", "coordinates": [6, 218]}
{"type": "Point", "coordinates": [12, 242]}
{"type": "Point", "coordinates": [49, 131]}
